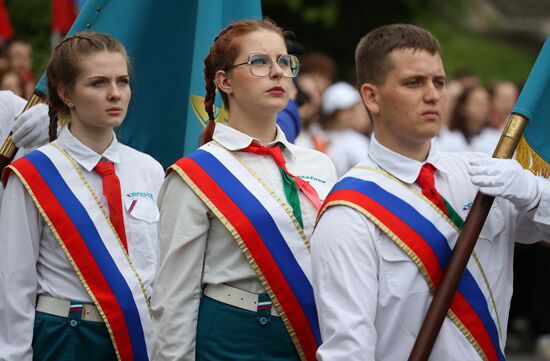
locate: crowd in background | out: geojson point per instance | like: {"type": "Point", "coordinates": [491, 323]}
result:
{"type": "Point", "coordinates": [16, 72]}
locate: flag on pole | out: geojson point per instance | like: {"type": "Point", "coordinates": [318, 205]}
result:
{"type": "Point", "coordinates": [6, 29]}
{"type": "Point", "coordinates": [533, 151]}
{"type": "Point", "coordinates": [166, 42]}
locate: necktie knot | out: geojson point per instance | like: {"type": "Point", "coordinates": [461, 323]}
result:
{"type": "Point", "coordinates": [426, 176]}
{"type": "Point", "coordinates": [275, 152]}
{"type": "Point", "coordinates": [105, 168]}
{"type": "Point", "coordinates": [426, 182]}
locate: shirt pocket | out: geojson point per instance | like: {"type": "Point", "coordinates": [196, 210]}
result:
{"type": "Point", "coordinates": [142, 209]}
{"type": "Point", "coordinates": [400, 274]}
{"type": "Point", "coordinates": [142, 231]}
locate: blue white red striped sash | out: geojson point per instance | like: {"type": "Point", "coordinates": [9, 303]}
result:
{"type": "Point", "coordinates": [83, 229]}
{"type": "Point", "coordinates": [420, 229]}
{"type": "Point", "coordinates": [267, 233]}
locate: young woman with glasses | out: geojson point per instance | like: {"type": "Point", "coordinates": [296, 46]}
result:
{"type": "Point", "coordinates": [236, 216]}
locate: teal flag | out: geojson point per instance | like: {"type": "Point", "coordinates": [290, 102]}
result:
{"type": "Point", "coordinates": [534, 104]}
{"type": "Point", "coordinates": [167, 41]}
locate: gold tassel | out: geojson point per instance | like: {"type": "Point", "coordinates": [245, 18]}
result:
{"type": "Point", "coordinates": [531, 160]}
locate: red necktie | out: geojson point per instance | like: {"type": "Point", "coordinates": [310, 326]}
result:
{"type": "Point", "coordinates": [426, 182]}
{"type": "Point", "coordinates": [277, 155]}
{"type": "Point", "coordinates": [111, 191]}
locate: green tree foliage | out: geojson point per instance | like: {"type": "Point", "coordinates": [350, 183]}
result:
{"type": "Point", "coordinates": [335, 26]}
{"type": "Point", "coordinates": [493, 60]}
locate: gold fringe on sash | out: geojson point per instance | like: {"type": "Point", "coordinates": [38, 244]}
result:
{"type": "Point", "coordinates": [530, 159]}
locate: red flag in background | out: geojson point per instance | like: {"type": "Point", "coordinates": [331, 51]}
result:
{"type": "Point", "coordinates": [6, 30]}
{"type": "Point", "coordinates": [63, 15]}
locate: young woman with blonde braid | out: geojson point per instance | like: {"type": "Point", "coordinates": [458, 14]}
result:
{"type": "Point", "coordinates": [79, 221]}
{"type": "Point", "coordinates": [234, 281]}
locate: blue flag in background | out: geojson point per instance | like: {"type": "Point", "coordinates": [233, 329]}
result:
{"type": "Point", "coordinates": [166, 41]}
{"type": "Point", "coordinates": [533, 151]}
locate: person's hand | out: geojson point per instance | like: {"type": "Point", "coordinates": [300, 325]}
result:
{"type": "Point", "coordinates": [30, 128]}
{"type": "Point", "coordinates": [505, 178]}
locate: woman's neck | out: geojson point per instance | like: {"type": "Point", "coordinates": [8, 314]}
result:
{"type": "Point", "coordinates": [97, 139]}
{"type": "Point", "coordinates": [259, 126]}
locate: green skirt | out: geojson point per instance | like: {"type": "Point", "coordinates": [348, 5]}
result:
{"type": "Point", "coordinates": [227, 333]}
{"type": "Point", "coordinates": [58, 338]}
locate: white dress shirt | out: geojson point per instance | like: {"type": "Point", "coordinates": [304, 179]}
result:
{"type": "Point", "coordinates": [32, 262]}
{"type": "Point", "coordinates": [197, 249]}
{"type": "Point", "coordinates": [10, 105]}
{"type": "Point", "coordinates": [371, 298]}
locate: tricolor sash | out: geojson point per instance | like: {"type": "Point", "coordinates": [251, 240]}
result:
{"type": "Point", "coordinates": [423, 232]}
{"type": "Point", "coordinates": [77, 219]}
{"type": "Point", "coordinates": [266, 231]}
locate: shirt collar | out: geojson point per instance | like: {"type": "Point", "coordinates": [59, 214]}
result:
{"type": "Point", "coordinates": [400, 166]}
{"type": "Point", "coordinates": [232, 139]}
{"type": "Point", "coordinates": [85, 156]}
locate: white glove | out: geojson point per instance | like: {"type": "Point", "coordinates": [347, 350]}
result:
{"type": "Point", "coordinates": [30, 129]}
{"type": "Point", "coordinates": [505, 178]}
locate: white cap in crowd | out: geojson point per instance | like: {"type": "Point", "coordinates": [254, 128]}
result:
{"type": "Point", "coordinates": [339, 96]}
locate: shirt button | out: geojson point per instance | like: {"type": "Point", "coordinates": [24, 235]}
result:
{"type": "Point", "coordinates": [263, 320]}
{"type": "Point", "coordinates": [73, 323]}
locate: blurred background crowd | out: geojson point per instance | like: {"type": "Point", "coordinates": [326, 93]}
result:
{"type": "Point", "coordinates": [16, 72]}
{"type": "Point", "coordinates": [488, 49]}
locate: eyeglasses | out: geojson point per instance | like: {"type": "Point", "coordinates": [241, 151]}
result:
{"type": "Point", "coordinates": [261, 64]}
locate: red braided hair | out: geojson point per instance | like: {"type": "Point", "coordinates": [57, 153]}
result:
{"type": "Point", "coordinates": [222, 54]}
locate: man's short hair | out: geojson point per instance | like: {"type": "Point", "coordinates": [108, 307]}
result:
{"type": "Point", "coordinates": [371, 55]}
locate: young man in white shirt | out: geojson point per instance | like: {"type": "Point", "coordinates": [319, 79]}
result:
{"type": "Point", "coordinates": [386, 233]}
